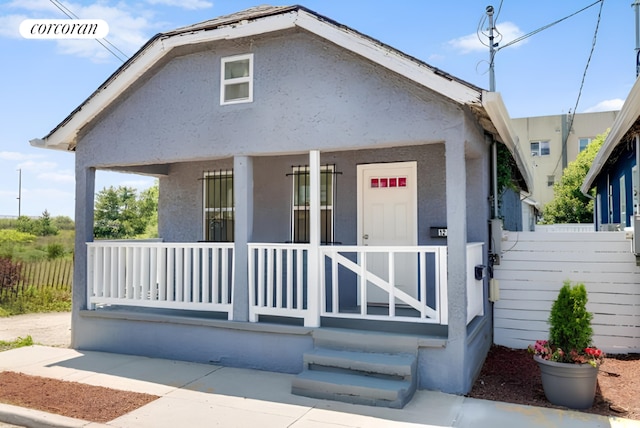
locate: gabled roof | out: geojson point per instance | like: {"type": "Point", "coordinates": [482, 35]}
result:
{"type": "Point", "coordinates": [266, 19]}
{"type": "Point", "coordinates": [625, 121]}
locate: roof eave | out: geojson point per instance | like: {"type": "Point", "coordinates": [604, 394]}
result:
{"type": "Point", "coordinates": [624, 121]}
{"type": "Point", "coordinates": [494, 106]}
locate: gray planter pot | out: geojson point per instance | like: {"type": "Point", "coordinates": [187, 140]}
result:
{"type": "Point", "coordinates": [568, 385]}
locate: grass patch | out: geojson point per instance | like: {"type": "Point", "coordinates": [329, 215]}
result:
{"type": "Point", "coordinates": [18, 343]}
{"type": "Point", "coordinates": [35, 300]}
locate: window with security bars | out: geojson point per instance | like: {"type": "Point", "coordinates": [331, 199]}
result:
{"type": "Point", "coordinates": [219, 206]}
{"type": "Point", "coordinates": [300, 213]}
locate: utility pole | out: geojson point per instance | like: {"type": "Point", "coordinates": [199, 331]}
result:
{"type": "Point", "coordinates": [636, 6]}
{"type": "Point", "coordinates": [492, 50]}
{"type": "Point", "coordinates": [19, 190]}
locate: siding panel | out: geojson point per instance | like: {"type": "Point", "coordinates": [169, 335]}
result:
{"type": "Point", "coordinates": [534, 266]}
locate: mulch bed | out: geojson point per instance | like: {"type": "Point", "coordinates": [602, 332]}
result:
{"type": "Point", "coordinates": [72, 399]}
{"type": "Point", "coordinates": [511, 375]}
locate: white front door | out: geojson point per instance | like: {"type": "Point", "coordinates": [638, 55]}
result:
{"type": "Point", "coordinates": [387, 216]}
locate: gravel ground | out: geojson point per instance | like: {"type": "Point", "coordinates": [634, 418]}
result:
{"type": "Point", "coordinates": [50, 329]}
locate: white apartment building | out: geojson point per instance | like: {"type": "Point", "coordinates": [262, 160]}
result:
{"type": "Point", "coordinates": [549, 143]}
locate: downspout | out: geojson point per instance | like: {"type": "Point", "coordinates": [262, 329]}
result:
{"type": "Point", "coordinates": [494, 176]}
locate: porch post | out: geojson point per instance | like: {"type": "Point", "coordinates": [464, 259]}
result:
{"type": "Point", "coordinates": [243, 232]}
{"type": "Point", "coordinates": [456, 178]}
{"type": "Point", "coordinates": [85, 190]}
{"type": "Point", "coordinates": [313, 263]}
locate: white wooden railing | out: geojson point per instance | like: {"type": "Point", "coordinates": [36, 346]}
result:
{"type": "Point", "coordinates": [402, 283]}
{"type": "Point", "coordinates": [361, 282]}
{"type": "Point", "coordinates": [475, 287]}
{"type": "Point", "coordinates": [194, 276]}
{"type": "Point", "coordinates": [278, 280]}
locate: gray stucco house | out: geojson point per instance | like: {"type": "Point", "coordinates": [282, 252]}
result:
{"type": "Point", "coordinates": [324, 199]}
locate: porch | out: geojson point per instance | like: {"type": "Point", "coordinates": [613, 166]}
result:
{"type": "Point", "coordinates": [285, 281]}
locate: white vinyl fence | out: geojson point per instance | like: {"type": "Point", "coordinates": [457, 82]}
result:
{"type": "Point", "coordinates": [534, 266]}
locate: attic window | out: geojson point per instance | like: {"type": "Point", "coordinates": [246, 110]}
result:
{"type": "Point", "coordinates": [236, 79]}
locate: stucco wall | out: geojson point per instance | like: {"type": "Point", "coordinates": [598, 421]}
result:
{"type": "Point", "coordinates": [180, 207]}
{"type": "Point", "coordinates": [308, 95]}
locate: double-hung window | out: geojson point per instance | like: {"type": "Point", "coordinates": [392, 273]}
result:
{"type": "Point", "coordinates": [540, 148]}
{"type": "Point", "coordinates": [218, 206]}
{"type": "Point", "coordinates": [236, 79]}
{"type": "Point", "coordinates": [300, 223]}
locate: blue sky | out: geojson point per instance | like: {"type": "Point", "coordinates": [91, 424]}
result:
{"type": "Point", "coordinates": [44, 80]}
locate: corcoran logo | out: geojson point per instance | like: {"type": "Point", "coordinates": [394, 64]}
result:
{"type": "Point", "coordinates": [64, 29]}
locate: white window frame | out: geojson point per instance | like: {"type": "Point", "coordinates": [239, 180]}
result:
{"type": "Point", "coordinates": [234, 81]}
{"type": "Point", "coordinates": [540, 146]}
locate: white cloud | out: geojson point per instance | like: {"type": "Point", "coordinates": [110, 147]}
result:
{"type": "Point", "coordinates": [37, 166]}
{"type": "Point", "coordinates": [606, 105]}
{"type": "Point", "coordinates": [66, 177]}
{"type": "Point", "coordinates": [129, 28]}
{"type": "Point", "coordinates": [10, 25]}
{"type": "Point", "coordinates": [506, 32]}
{"type": "Point", "coordinates": [17, 156]}
{"type": "Point", "coordinates": [186, 4]}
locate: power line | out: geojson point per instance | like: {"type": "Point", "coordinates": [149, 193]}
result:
{"type": "Point", "coordinates": [584, 75]}
{"type": "Point", "coordinates": [526, 36]}
{"type": "Point", "coordinates": [102, 42]}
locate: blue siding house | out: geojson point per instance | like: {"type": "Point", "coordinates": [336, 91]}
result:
{"type": "Point", "coordinates": [614, 172]}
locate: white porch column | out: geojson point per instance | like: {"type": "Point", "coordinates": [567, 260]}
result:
{"type": "Point", "coordinates": [456, 181]}
{"type": "Point", "coordinates": [243, 233]}
{"type": "Point", "coordinates": [313, 261]}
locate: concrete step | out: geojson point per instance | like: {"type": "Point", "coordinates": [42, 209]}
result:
{"type": "Point", "coordinates": [401, 366]}
{"type": "Point", "coordinates": [352, 388]}
{"type": "Point", "coordinates": [370, 378]}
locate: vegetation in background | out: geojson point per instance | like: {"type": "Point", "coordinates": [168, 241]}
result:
{"type": "Point", "coordinates": [569, 204]}
{"type": "Point", "coordinates": [34, 300]}
{"type": "Point", "coordinates": [121, 213]}
{"type": "Point", "coordinates": [17, 343]}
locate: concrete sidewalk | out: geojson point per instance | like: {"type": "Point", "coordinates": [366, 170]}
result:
{"type": "Point", "coordinates": [201, 395]}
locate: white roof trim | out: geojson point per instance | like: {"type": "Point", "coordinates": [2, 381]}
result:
{"type": "Point", "coordinates": [63, 137]}
{"type": "Point", "coordinates": [495, 108]}
{"type": "Point", "coordinates": [624, 121]}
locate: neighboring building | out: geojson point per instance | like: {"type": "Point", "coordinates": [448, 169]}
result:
{"type": "Point", "coordinates": [318, 190]}
{"type": "Point", "coordinates": [614, 172]}
{"type": "Point", "coordinates": [541, 144]}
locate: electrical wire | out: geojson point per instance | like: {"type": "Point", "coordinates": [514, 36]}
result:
{"type": "Point", "coordinates": [102, 42]}
{"type": "Point", "coordinates": [584, 75]}
{"type": "Point", "coordinates": [526, 36]}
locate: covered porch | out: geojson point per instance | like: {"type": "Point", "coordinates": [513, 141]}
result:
{"type": "Point", "coordinates": [248, 281]}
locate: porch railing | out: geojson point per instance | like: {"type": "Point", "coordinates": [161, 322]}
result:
{"type": "Point", "coordinates": [402, 283]}
{"type": "Point", "coordinates": [359, 282]}
{"type": "Point", "coordinates": [193, 276]}
{"type": "Point", "coordinates": [278, 280]}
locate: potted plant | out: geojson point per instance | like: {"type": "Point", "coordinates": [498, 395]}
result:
{"type": "Point", "coordinates": [568, 361]}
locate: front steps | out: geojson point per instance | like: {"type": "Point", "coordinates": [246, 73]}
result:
{"type": "Point", "coordinates": [342, 368]}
